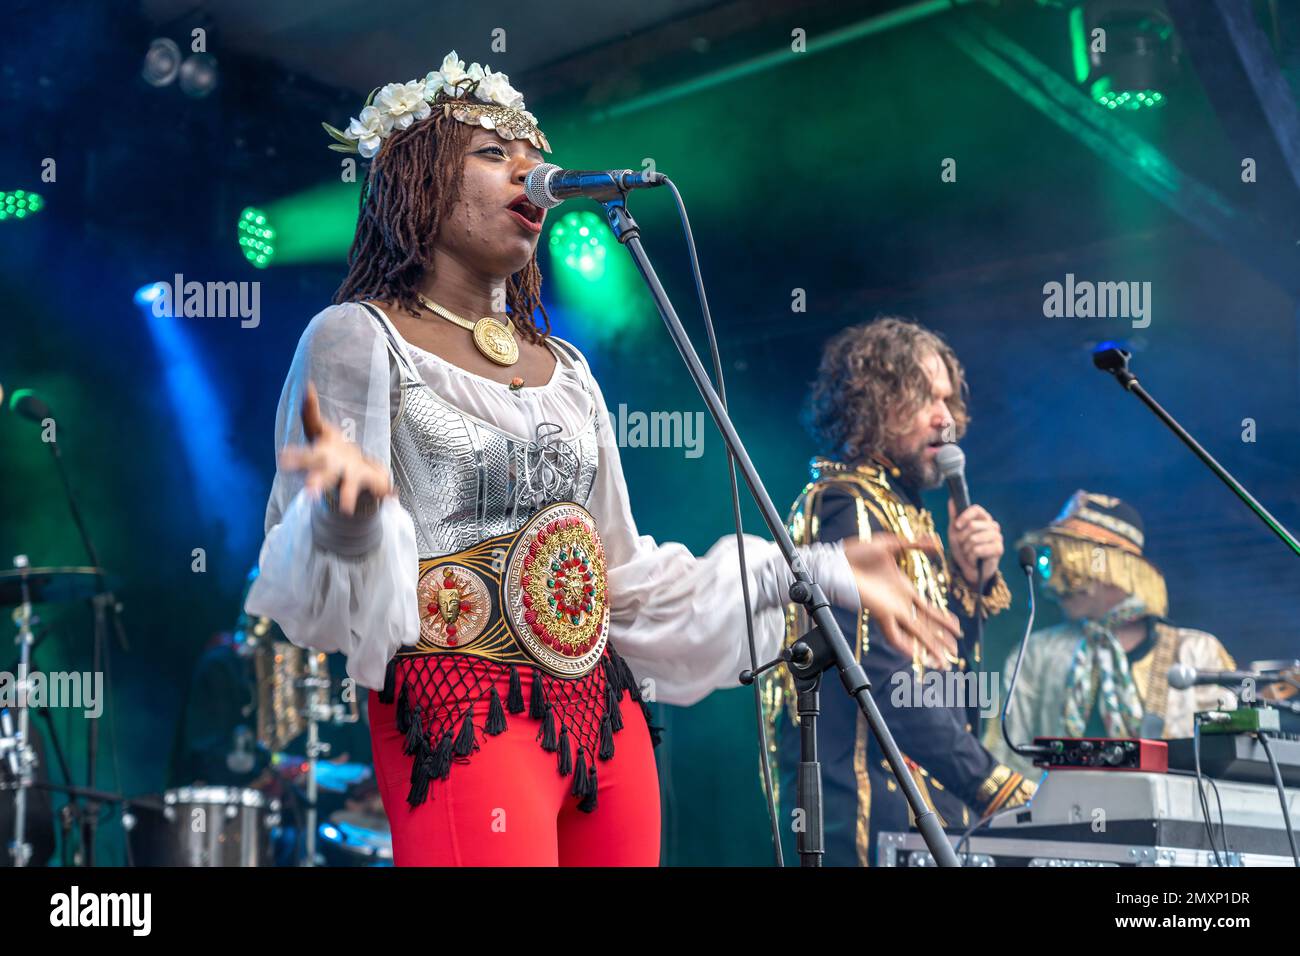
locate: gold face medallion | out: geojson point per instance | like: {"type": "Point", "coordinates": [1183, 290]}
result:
{"type": "Point", "coordinates": [495, 340]}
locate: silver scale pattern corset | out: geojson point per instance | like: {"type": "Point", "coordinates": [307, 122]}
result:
{"type": "Point", "coordinates": [462, 480]}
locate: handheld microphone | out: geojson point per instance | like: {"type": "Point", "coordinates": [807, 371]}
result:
{"type": "Point", "coordinates": [547, 185]}
{"type": "Point", "coordinates": [952, 466]}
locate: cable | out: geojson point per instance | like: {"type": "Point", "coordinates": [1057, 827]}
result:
{"type": "Point", "coordinates": [1223, 828]}
{"type": "Point", "coordinates": [740, 530]}
{"type": "Point", "coordinates": [989, 818]}
{"type": "Point", "coordinates": [1027, 751]}
{"type": "Point", "coordinates": [1200, 792]}
{"type": "Point", "coordinates": [1281, 794]}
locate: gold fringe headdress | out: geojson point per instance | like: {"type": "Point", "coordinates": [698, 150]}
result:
{"type": "Point", "coordinates": [1099, 538]}
{"type": "Point", "coordinates": [473, 95]}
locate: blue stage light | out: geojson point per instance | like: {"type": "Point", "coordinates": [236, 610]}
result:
{"type": "Point", "coordinates": [147, 295]}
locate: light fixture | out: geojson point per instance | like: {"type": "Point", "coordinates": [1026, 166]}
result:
{"type": "Point", "coordinates": [1141, 55]}
{"type": "Point", "coordinates": [162, 62]}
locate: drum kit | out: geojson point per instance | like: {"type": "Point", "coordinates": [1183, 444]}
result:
{"type": "Point", "coordinates": [199, 824]}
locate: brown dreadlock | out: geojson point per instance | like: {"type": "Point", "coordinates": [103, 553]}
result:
{"type": "Point", "coordinates": [413, 183]}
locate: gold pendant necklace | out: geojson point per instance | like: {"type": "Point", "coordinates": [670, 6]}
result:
{"type": "Point", "coordinates": [492, 337]}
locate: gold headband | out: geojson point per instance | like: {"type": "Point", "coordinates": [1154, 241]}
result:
{"type": "Point", "coordinates": [473, 95]}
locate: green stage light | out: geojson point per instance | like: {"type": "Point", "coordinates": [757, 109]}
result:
{"type": "Point", "coordinates": [1125, 99]}
{"type": "Point", "coordinates": [19, 204]}
{"type": "Point", "coordinates": [256, 237]}
{"type": "Point", "coordinates": [595, 281]}
{"type": "Point", "coordinates": [315, 225]}
{"type": "Point", "coordinates": [580, 241]}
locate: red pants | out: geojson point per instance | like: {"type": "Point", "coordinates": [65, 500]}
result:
{"type": "Point", "coordinates": [509, 806]}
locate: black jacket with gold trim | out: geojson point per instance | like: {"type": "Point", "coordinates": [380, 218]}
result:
{"type": "Point", "coordinates": [955, 773]}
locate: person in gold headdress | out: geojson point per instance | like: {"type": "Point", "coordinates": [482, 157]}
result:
{"type": "Point", "coordinates": [889, 394]}
{"type": "Point", "coordinates": [1103, 672]}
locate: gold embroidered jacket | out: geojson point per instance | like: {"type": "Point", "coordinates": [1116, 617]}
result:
{"type": "Point", "coordinates": [936, 731]}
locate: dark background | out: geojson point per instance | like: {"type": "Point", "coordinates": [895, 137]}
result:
{"type": "Point", "coordinates": [817, 170]}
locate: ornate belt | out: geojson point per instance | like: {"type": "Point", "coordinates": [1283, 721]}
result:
{"type": "Point", "coordinates": [536, 596]}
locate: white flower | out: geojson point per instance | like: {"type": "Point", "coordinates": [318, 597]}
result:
{"type": "Point", "coordinates": [496, 88]}
{"type": "Point", "coordinates": [369, 129]}
{"type": "Point", "coordinates": [404, 102]}
{"type": "Point", "coordinates": [451, 71]}
{"type": "Point", "coordinates": [451, 74]}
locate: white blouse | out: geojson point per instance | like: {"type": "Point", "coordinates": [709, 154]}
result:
{"type": "Point", "coordinates": [678, 619]}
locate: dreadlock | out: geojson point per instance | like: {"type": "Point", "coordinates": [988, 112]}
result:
{"type": "Point", "coordinates": [408, 195]}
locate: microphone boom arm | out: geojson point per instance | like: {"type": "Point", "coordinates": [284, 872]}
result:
{"type": "Point", "coordinates": [1115, 361]}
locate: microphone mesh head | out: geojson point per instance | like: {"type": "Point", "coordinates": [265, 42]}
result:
{"type": "Point", "coordinates": [535, 184]}
{"type": "Point", "coordinates": [951, 461]}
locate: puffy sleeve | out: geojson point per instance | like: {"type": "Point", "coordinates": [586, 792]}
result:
{"type": "Point", "coordinates": [334, 582]}
{"type": "Point", "coordinates": [678, 618]}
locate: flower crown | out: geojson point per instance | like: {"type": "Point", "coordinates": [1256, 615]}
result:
{"type": "Point", "coordinates": [476, 96]}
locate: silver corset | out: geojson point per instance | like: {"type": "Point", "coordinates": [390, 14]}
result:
{"type": "Point", "coordinates": [462, 480]}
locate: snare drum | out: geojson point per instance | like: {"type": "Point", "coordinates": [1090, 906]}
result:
{"type": "Point", "coordinates": [206, 826]}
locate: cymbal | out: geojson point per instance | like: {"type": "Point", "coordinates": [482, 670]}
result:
{"type": "Point", "coordinates": [51, 585]}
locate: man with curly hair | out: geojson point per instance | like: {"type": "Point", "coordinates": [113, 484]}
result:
{"type": "Point", "coordinates": [888, 395]}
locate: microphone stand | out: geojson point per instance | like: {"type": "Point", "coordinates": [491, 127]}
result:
{"type": "Point", "coordinates": [105, 604]}
{"type": "Point", "coordinates": [824, 645]}
{"type": "Point", "coordinates": [1115, 361]}
{"type": "Point", "coordinates": [18, 748]}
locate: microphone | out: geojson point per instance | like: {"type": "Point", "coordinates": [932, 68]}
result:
{"type": "Point", "coordinates": [1113, 358]}
{"type": "Point", "coordinates": [952, 466]}
{"type": "Point", "coordinates": [29, 405]}
{"type": "Point", "coordinates": [547, 185]}
{"type": "Point", "coordinates": [1183, 676]}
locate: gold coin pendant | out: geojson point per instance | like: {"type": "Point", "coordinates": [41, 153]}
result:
{"type": "Point", "coordinates": [496, 341]}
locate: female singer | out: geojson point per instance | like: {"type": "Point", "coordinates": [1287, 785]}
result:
{"type": "Point", "coordinates": [450, 512]}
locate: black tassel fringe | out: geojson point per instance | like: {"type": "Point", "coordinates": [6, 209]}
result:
{"type": "Point", "coordinates": [515, 696]}
{"type": "Point", "coordinates": [496, 718]}
{"type": "Point", "coordinates": [465, 742]}
{"type": "Point", "coordinates": [566, 752]}
{"type": "Point", "coordinates": [550, 743]}
{"type": "Point", "coordinates": [537, 703]}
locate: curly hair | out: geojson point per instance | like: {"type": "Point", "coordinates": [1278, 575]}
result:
{"type": "Point", "coordinates": [413, 183]}
{"type": "Point", "coordinates": [869, 384]}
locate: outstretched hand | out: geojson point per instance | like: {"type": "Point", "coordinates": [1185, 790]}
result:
{"type": "Point", "coordinates": [331, 462]}
{"type": "Point", "coordinates": [905, 618]}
